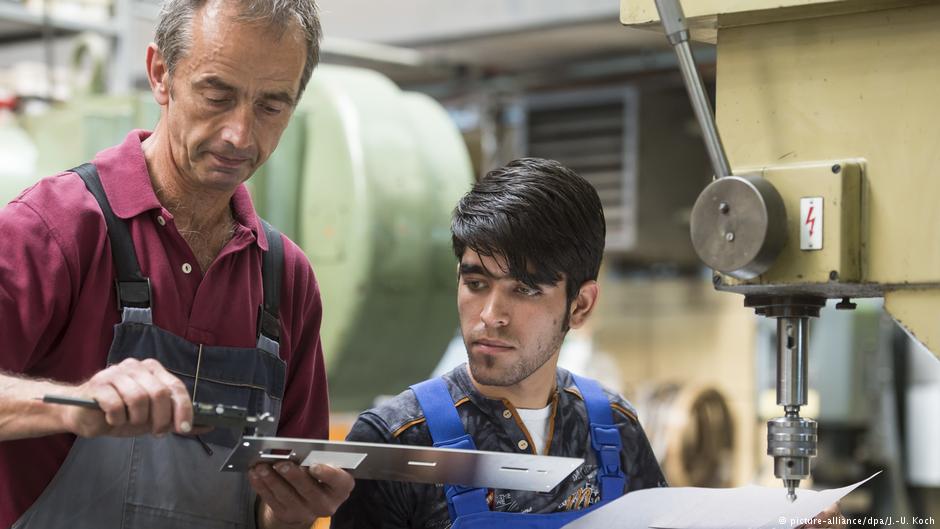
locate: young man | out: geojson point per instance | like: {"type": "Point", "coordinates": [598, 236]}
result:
{"type": "Point", "coordinates": [529, 238]}
{"type": "Point", "coordinates": [210, 304]}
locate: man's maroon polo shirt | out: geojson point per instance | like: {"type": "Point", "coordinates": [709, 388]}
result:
{"type": "Point", "coordinates": [58, 310]}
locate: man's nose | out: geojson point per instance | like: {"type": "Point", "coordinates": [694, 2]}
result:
{"type": "Point", "coordinates": [237, 130]}
{"type": "Point", "coordinates": [495, 311]}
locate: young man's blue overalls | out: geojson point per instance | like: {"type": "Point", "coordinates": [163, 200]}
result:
{"type": "Point", "coordinates": [468, 507]}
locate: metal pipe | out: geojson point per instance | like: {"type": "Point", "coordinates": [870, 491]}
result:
{"type": "Point", "coordinates": [677, 31]}
{"type": "Point", "coordinates": [792, 352]}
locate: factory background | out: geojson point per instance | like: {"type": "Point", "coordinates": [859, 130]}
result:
{"type": "Point", "coordinates": [413, 101]}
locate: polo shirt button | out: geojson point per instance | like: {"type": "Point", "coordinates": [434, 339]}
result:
{"type": "Point", "coordinates": [507, 414]}
{"type": "Point", "coordinates": [523, 445]}
{"type": "Point", "coordinates": [160, 220]}
{"type": "Point", "coordinates": [187, 268]}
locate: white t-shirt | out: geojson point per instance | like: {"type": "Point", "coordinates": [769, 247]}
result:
{"type": "Point", "coordinates": [536, 421]}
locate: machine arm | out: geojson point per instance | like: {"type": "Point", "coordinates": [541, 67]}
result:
{"type": "Point", "coordinates": [677, 31]}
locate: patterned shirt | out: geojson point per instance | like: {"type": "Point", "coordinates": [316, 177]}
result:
{"type": "Point", "coordinates": [495, 426]}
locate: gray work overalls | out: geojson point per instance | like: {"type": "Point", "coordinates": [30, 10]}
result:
{"type": "Point", "coordinates": [171, 482]}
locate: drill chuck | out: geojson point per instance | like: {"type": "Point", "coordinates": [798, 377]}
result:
{"type": "Point", "coordinates": [791, 441]}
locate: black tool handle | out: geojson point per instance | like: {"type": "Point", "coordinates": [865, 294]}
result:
{"type": "Point", "coordinates": [72, 401]}
{"type": "Point", "coordinates": [233, 417]}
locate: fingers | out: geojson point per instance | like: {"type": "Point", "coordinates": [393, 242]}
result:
{"type": "Point", "coordinates": [831, 517]}
{"type": "Point", "coordinates": [285, 503]}
{"type": "Point", "coordinates": [299, 495]}
{"type": "Point", "coordinates": [111, 403]}
{"type": "Point", "coordinates": [265, 485]}
{"type": "Point", "coordinates": [156, 397]}
{"type": "Point", "coordinates": [337, 482]}
{"type": "Point", "coordinates": [133, 395]}
{"type": "Point", "coordinates": [181, 405]}
{"type": "Point", "coordinates": [311, 493]}
{"type": "Point", "coordinates": [141, 396]}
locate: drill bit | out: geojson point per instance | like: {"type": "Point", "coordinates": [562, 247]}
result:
{"type": "Point", "coordinates": [791, 485]}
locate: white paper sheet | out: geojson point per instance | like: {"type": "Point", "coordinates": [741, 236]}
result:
{"type": "Point", "coordinates": [698, 508]}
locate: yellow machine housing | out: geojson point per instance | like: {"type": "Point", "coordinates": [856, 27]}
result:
{"type": "Point", "coordinates": [805, 85]}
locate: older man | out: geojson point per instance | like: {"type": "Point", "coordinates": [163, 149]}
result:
{"type": "Point", "coordinates": [146, 281]}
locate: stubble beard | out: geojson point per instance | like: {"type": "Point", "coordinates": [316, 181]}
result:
{"type": "Point", "coordinates": [485, 368]}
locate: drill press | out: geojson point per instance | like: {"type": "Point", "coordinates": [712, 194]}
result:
{"type": "Point", "coordinates": [738, 228]}
{"type": "Point", "coordinates": [828, 197]}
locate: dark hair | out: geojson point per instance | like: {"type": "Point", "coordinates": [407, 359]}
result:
{"type": "Point", "coordinates": [541, 216]}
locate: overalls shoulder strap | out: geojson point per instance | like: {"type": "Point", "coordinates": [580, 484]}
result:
{"type": "Point", "coordinates": [133, 289]}
{"type": "Point", "coordinates": [605, 438]}
{"type": "Point", "coordinates": [447, 431]}
{"type": "Point", "coordinates": [272, 268]}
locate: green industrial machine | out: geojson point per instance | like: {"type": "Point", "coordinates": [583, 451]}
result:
{"type": "Point", "coordinates": [364, 180]}
{"type": "Point", "coordinates": [71, 134]}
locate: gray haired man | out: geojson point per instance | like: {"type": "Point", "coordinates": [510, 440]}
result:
{"type": "Point", "coordinates": [212, 303]}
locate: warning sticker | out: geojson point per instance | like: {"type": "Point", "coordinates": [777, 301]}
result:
{"type": "Point", "coordinates": [811, 223]}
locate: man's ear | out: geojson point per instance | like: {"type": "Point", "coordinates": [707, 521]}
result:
{"type": "Point", "coordinates": [158, 74]}
{"type": "Point", "coordinates": [583, 304]}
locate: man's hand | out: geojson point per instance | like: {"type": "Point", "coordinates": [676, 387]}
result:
{"type": "Point", "coordinates": [136, 398]}
{"type": "Point", "coordinates": [295, 497]}
{"type": "Point", "coordinates": [832, 514]}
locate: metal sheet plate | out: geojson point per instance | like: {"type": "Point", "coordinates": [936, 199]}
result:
{"type": "Point", "coordinates": [417, 464]}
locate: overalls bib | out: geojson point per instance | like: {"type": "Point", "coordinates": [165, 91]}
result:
{"type": "Point", "coordinates": [468, 507]}
{"type": "Point", "coordinates": [171, 482]}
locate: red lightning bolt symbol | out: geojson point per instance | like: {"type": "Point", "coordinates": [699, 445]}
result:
{"type": "Point", "coordinates": [811, 220]}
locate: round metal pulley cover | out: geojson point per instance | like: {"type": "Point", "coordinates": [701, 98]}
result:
{"type": "Point", "coordinates": [739, 225]}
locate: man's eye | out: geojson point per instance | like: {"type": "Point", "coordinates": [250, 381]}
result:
{"type": "Point", "coordinates": [216, 101]}
{"type": "Point", "coordinates": [268, 109]}
{"type": "Point", "coordinates": [473, 285]}
{"type": "Point", "coordinates": [527, 291]}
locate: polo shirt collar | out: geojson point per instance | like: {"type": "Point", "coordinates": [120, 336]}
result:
{"type": "Point", "coordinates": [126, 181]}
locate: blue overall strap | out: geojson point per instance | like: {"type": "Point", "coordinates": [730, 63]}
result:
{"type": "Point", "coordinates": [447, 431]}
{"type": "Point", "coordinates": [605, 438]}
